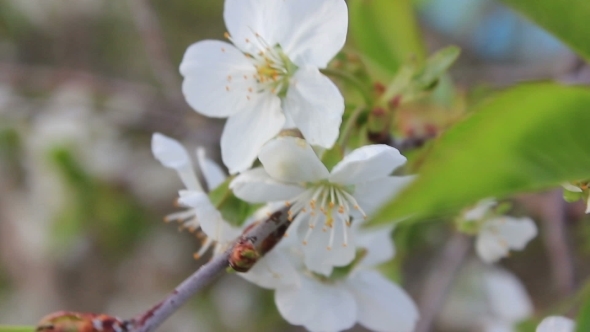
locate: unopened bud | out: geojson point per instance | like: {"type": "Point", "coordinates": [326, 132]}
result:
{"type": "Point", "coordinates": [67, 321]}
{"type": "Point", "coordinates": [243, 256]}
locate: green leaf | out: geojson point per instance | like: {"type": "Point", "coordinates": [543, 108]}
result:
{"type": "Point", "coordinates": [232, 209]}
{"type": "Point", "coordinates": [386, 31]}
{"type": "Point", "coordinates": [17, 328]}
{"type": "Point", "coordinates": [527, 138]}
{"type": "Point", "coordinates": [583, 321]}
{"type": "Point", "coordinates": [566, 19]}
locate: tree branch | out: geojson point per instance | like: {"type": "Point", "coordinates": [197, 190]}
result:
{"type": "Point", "coordinates": [440, 279]}
{"type": "Point", "coordinates": [262, 236]}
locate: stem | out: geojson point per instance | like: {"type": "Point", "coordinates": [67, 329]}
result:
{"type": "Point", "coordinates": [270, 231]}
{"type": "Point", "coordinates": [440, 279]}
{"type": "Point", "coordinates": [353, 81]}
{"type": "Point", "coordinates": [350, 123]}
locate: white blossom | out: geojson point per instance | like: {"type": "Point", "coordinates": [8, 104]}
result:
{"type": "Point", "coordinates": [486, 298]}
{"type": "Point", "coordinates": [323, 204]}
{"type": "Point", "coordinates": [201, 213]}
{"type": "Point", "coordinates": [497, 235]}
{"type": "Point", "coordinates": [336, 303]}
{"type": "Point", "coordinates": [270, 76]}
{"type": "Point", "coordinates": [556, 324]}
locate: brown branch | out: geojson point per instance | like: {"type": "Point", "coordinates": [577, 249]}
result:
{"type": "Point", "coordinates": [549, 209]}
{"type": "Point", "coordinates": [440, 279]}
{"type": "Point", "coordinates": [262, 237]}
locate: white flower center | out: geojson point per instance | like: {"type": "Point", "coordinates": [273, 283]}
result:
{"type": "Point", "coordinates": [324, 204]}
{"type": "Point", "coordinates": [274, 69]}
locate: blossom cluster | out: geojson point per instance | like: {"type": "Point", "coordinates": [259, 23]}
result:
{"type": "Point", "coordinates": [266, 80]}
{"type": "Point", "coordinates": [282, 149]}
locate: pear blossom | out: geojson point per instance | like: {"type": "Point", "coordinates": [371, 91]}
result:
{"type": "Point", "coordinates": [556, 324]}
{"type": "Point", "coordinates": [497, 235]}
{"type": "Point", "coordinates": [337, 302]}
{"type": "Point", "coordinates": [200, 213]}
{"type": "Point", "coordinates": [323, 204]}
{"type": "Point", "coordinates": [487, 299]}
{"type": "Point", "coordinates": [269, 78]}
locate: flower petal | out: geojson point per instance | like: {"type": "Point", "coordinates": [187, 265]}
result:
{"type": "Point", "coordinates": [246, 132]}
{"type": "Point", "coordinates": [315, 104]}
{"type": "Point", "coordinates": [253, 25]}
{"type": "Point", "coordinates": [507, 296]}
{"type": "Point", "coordinates": [373, 194]}
{"type": "Point", "coordinates": [479, 210]}
{"type": "Point", "coordinates": [367, 163]}
{"type": "Point", "coordinates": [556, 324]}
{"type": "Point", "coordinates": [292, 160]}
{"type": "Point", "coordinates": [173, 155]}
{"type": "Point", "coordinates": [588, 205]}
{"type": "Point", "coordinates": [209, 218]}
{"type": "Point", "coordinates": [218, 79]}
{"type": "Point", "coordinates": [320, 257]}
{"type": "Point", "coordinates": [570, 187]}
{"type": "Point", "coordinates": [517, 232]}
{"type": "Point", "coordinates": [489, 248]}
{"type": "Point", "coordinates": [379, 245]}
{"type": "Point", "coordinates": [273, 271]}
{"type": "Point", "coordinates": [381, 304]}
{"type": "Point", "coordinates": [213, 174]}
{"type": "Point", "coordinates": [256, 186]}
{"type": "Point", "coordinates": [314, 31]}
{"type": "Point", "coordinates": [316, 306]}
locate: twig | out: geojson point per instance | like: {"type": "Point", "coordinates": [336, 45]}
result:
{"type": "Point", "coordinates": [263, 237]}
{"type": "Point", "coordinates": [549, 208]}
{"type": "Point", "coordinates": [440, 280]}
{"type": "Point", "coordinates": [148, 25]}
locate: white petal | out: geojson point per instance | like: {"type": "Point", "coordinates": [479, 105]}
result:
{"type": "Point", "coordinates": [209, 218]}
{"type": "Point", "coordinates": [378, 244]}
{"type": "Point", "coordinates": [315, 104]}
{"type": "Point", "coordinates": [489, 248]}
{"type": "Point", "coordinates": [373, 194]}
{"type": "Point", "coordinates": [556, 324]}
{"type": "Point", "coordinates": [292, 160]}
{"type": "Point", "coordinates": [173, 155]}
{"type": "Point", "coordinates": [367, 163]}
{"type": "Point", "coordinates": [570, 187]}
{"type": "Point", "coordinates": [588, 205]}
{"type": "Point", "coordinates": [253, 25]}
{"type": "Point", "coordinates": [499, 235]}
{"type": "Point", "coordinates": [479, 211]}
{"type": "Point", "coordinates": [314, 30]}
{"type": "Point", "coordinates": [320, 259]}
{"type": "Point", "coordinates": [516, 231]}
{"type": "Point", "coordinates": [507, 296]}
{"type": "Point", "coordinates": [256, 186]}
{"type": "Point", "coordinates": [381, 304]}
{"type": "Point", "coordinates": [246, 132]}
{"type": "Point", "coordinates": [213, 174]}
{"type": "Point", "coordinates": [217, 79]}
{"type": "Point", "coordinates": [274, 270]}
{"type": "Point", "coordinates": [316, 306]}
